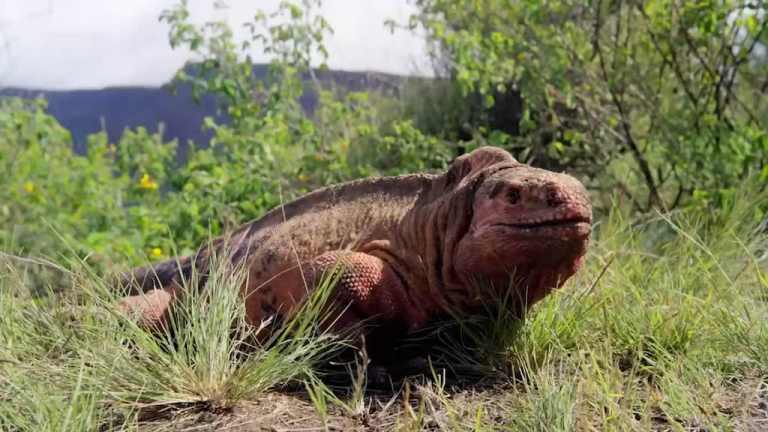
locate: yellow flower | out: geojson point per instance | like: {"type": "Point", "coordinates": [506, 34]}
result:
{"type": "Point", "coordinates": [29, 187]}
{"type": "Point", "coordinates": [147, 183]}
{"type": "Point", "coordinates": [303, 177]}
{"type": "Point", "coordinates": [156, 252]}
{"type": "Point", "coordinates": [344, 146]}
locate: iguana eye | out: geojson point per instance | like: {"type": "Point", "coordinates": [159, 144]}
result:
{"type": "Point", "coordinates": [513, 196]}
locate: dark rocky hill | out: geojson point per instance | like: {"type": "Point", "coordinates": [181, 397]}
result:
{"type": "Point", "coordinates": [115, 108]}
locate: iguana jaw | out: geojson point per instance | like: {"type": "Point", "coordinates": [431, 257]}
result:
{"type": "Point", "coordinates": [577, 226]}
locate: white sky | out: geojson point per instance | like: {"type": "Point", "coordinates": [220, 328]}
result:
{"type": "Point", "coordinates": [66, 44]}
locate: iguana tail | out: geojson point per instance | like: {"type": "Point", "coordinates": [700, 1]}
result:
{"type": "Point", "coordinates": [179, 269]}
{"type": "Point", "coordinates": [156, 276]}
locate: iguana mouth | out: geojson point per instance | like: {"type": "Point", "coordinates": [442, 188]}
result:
{"type": "Point", "coordinates": [564, 222]}
{"type": "Point", "coordinates": [578, 226]}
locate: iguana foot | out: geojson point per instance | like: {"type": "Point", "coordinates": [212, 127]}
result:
{"type": "Point", "coordinates": [150, 310]}
{"type": "Point", "coordinates": [380, 375]}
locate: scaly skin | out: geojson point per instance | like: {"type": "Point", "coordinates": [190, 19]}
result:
{"type": "Point", "coordinates": [409, 248]}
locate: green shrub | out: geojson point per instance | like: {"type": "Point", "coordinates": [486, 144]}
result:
{"type": "Point", "coordinates": [662, 100]}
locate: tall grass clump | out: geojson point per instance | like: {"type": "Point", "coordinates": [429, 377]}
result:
{"type": "Point", "coordinates": [73, 361]}
{"type": "Point", "coordinates": [44, 384]}
{"type": "Point", "coordinates": [209, 354]}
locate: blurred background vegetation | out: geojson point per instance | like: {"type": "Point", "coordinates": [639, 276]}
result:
{"type": "Point", "coordinates": [655, 105]}
{"type": "Point", "coordinates": [658, 106]}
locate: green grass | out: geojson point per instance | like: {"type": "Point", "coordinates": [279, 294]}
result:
{"type": "Point", "coordinates": [74, 362]}
{"type": "Point", "coordinates": [664, 328]}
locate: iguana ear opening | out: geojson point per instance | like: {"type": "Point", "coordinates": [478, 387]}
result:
{"type": "Point", "coordinates": [470, 163]}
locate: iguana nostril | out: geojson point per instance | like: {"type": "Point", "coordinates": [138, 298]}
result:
{"type": "Point", "coordinates": [553, 198]}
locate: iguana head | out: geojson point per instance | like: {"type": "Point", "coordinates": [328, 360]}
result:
{"type": "Point", "coordinates": [527, 222]}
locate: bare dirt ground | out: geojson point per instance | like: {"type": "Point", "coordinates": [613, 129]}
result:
{"type": "Point", "coordinates": [416, 407]}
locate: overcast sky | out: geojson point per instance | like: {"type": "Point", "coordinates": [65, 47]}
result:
{"type": "Point", "coordinates": [67, 44]}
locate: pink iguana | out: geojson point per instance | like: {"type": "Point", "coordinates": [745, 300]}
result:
{"type": "Point", "coordinates": [410, 247]}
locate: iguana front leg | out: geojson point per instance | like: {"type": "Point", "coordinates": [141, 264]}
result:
{"type": "Point", "coordinates": [366, 288]}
